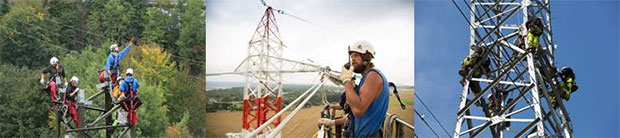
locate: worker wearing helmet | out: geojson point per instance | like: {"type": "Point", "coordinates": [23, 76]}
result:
{"type": "Point", "coordinates": [116, 90]}
{"type": "Point", "coordinates": [342, 123]}
{"type": "Point", "coordinates": [112, 65]}
{"type": "Point", "coordinates": [468, 64]}
{"type": "Point", "coordinates": [568, 84]}
{"type": "Point", "coordinates": [534, 30]}
{"type": "Point", "coordinates": [70, 100]}
{"type": "Point", "coordinates": [130, 99]}
{"type": "Point", "coordinates": [56, 74]}
{"type": "Point", "coordinates": [118, 95]}
{"type": "Point", "coordinates": [369, 99]}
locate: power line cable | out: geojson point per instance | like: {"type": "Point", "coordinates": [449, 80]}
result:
{"type": "Point", "coordinates": [432, 115]}
{"type": "Point", "coordinates": [427, 125]}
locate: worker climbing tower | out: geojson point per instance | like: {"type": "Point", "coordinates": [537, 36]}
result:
{"type": "Point", "coordinates": [515, 93]}
{"type": "Point", "coordinates": [263, 88]}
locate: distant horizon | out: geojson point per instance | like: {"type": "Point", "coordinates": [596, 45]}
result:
{"type": "Point", "coordinates": [241, 82]}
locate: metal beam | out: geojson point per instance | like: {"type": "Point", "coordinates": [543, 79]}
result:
{"type": "Point", "coordinates": [495, 82]}
{"type": "Point", "coordinates": [510, 105]}
{"type": "Point", "coordinates": [95, 128]}
{"type": "Point", "coordinates": [107, 114]}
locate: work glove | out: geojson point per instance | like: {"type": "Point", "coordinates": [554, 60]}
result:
{"type": "Point", "coordinates": [326, 121]}
{"type": "Point", "coordinates": [42, 81]}
{"type": "Point", "coordinates": [346, 74]}
{"type": "Point", "coordinates": [119, 100]}
{"type": "Point", "coordinates": [74, 92]}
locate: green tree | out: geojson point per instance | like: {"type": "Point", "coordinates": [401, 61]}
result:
{"type": "Point", "coordinates": [160, 25]}
{"type": "Point", "coordinates": [152, 120]}
{"type": "Point", "coordinates": [187, 94]}
{"type": "Point", "coordinates": [33, 31]}
{"type": "Point", "coordinates": [69, 17]}
{"type": "Point", "coordinates": [4, 7]}
{"type": "Point", "coordinates": [94, 24]}
{"type": "Point", "coordinates": [116, 20]}
{"type": "Point", "coordinates": [192, 35]}
{"type": "Point", "coordinates": [85, 66]}
{"type": "Point", "coordinates": [154, 70]}
{"type": "Point", "coordinates": [27, 36]}
{"type": "Point", "coordinates": [24, 106]}
{"type": "Point", "coordinates": [112, 21]}
{"type": "Point", "coordinates": [136, 10]}
{"type": "Point", "coordinates": [179, 130]}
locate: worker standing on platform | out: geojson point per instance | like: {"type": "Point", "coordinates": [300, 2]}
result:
{"type": "Point", "coordinates": [70, 99]}
{"type": "Point", "coordinates": [57, 76]}
{"type": "Point", "coordinates": [112, 65]}
{"type": "Point", "coordinates": [129, 98]}
{"type": "Point", "coordinates": [369, 99]}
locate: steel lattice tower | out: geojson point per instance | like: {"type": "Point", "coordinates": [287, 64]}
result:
{"type": "Point", "coordinates": [262, 92]}
{"type": "Point", "coordinates": [521, 81]}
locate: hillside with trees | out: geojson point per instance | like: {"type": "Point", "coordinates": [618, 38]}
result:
{"type": "Point", "coordinates": [168, 59]}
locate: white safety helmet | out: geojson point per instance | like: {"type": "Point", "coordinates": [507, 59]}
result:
{"type": "Point", "coordinates": [75, 79]}
{"type": "Point", "coordinates": [119, 78]}
{"type": "Point", "coordinates": [362, 47]}
{"type": "Point", "coordinates": [113, 46]}
{"type": "Point", "coordinates": [53, 61]}
{"type": "Point", "coordinates": [129, 71]}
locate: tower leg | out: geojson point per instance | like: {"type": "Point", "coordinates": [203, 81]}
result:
{"type": "Point", "coordinates": [108, 107]}
{"type": "Point", "coordinates": [58, 122]}
{"type": "Point", "coordinates": [81, 123]}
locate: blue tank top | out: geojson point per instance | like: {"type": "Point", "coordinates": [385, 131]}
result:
{"type": "Point", "coordinates": [372, 120]}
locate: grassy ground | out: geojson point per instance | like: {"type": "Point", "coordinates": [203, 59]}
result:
{"type": "Point", "coordinates": [304, 124]}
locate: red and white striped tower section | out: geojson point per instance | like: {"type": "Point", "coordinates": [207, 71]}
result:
{"type": "Point", "coordinates": [262, 91]}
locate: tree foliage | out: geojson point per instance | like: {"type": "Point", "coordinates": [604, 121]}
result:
{"type": "Point", "coordinates": [179, 130]}
{"type": "Point", "coordinates": [192, 35]}
{"type": "Point", "coordinates": [24, 106]}
{"type": "Point", "coordinates": [28, 36]}
{"type": "Point", "coordinates": [79, 33]}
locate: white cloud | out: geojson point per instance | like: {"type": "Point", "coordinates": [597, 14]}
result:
{"type": "Point", "coordinates": [386, 24]}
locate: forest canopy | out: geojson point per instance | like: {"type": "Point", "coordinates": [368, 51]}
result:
{"type": "Point", "coordinates": [168, 59]}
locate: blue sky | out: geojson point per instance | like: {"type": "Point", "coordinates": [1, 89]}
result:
{"type": "Point", "coordinates": [587, 35]}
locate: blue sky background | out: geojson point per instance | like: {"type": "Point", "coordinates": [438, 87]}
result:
{"type": "Point", "coordinates": [587, 35]}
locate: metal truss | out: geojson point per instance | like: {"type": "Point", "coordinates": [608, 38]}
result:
{"type": "Point", "coordinates": [262, 94]}
{"type": "Point", "coordinates": [263, 69]}
{"type": "Point", "coordinates": [522, 81]}
{"type": "Point", "coordinates": [86, 104]}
